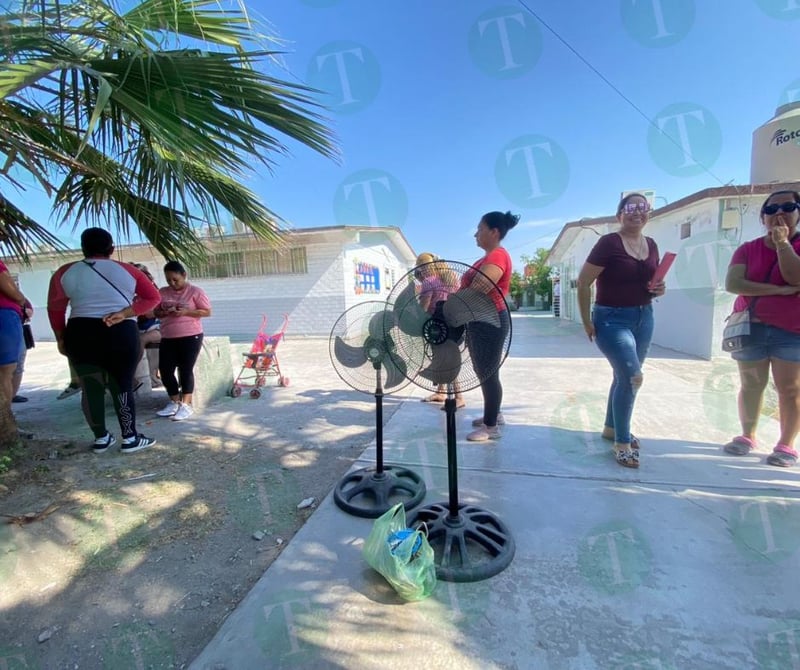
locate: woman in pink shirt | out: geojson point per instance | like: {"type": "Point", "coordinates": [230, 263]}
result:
{"type": "Point", "coordinates": [11, 342]}
{"type": "Point", "coordinates": [765, 274]}
{"type": "Point", "coordinates": [182, 306]}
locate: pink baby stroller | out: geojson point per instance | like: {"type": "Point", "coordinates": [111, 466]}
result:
{"type": "Point", "coordinates": [261, 362]}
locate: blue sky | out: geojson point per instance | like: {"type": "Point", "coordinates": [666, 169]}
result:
{"type": "Point", "coordinates": [446, 109]}
{"type": "Point", "coordinates": [435, 102]}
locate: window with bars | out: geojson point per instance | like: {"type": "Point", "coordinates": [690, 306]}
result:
{"type": "Point", "coordinates": [253, 264]}
{"type": "Point", "coordinates": [270, 262]}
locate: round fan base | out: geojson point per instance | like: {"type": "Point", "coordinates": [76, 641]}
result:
{"type": "Point", "coordinates": [470, 546]}
{"type": "Point", "coordinates": [369, 493]}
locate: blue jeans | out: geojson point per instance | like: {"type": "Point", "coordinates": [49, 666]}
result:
{"type": "Point", "coordinates": [623, 334]}
{"type": "Point", "coordinates": [10, 336]}
{"type": "Point", "coordinates": [767, 341]}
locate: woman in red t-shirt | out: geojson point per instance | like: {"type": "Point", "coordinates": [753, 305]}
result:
{"type": "Point", "coordinates": [484, 340]}
{"type": "Point", "coordinates": [767, 270]}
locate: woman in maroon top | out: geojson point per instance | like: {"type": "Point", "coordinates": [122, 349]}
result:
{"type": "Point", "coordinates": [622, 263]}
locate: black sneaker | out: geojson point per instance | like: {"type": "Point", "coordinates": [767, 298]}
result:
{"type": "Point", "coordinates": [101, 444]}
{"type": "Point", "coordinates": [19, 398]}
{"type": "Point", "coordinates": [131, 444]}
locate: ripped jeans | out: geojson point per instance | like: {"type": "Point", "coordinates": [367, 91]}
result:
{"type": "Point", "coordinates": [623, 334]}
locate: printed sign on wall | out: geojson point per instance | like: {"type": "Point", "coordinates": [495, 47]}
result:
{"type": "Point", "coordinates": [367, 278]}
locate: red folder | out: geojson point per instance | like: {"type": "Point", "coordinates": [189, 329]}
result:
{"type": "Point", "coordinates": [663, 267]}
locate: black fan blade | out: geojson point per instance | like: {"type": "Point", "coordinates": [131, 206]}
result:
{"type": "Point", "coordinates": [380, 324]}
{"type": "Point", "coordinates": [467, 305]}
{"type": "Point", "coordinates": [445, 363]}
{"type": "Point", "coordinates": [410, 316]}
{"type": "Point", "coordinates": [348, 355]}
{"type": "Point", "coordinates": [395, 371]}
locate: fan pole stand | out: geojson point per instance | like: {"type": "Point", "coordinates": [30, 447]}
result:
{"type": "Point", "coordinates": [470, 543]}
{"type": "Point", "coordinates": [369, 492]}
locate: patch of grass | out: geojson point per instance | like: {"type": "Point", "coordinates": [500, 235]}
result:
{"type": "Point", "coordinates": [10, 458]}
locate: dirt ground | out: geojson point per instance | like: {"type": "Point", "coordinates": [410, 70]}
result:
{"type": "Point", "coordinates": [134, 560]}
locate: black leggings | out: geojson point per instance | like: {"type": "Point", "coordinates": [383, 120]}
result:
{"type": "Point", "coordinates": [105, 357]}
{"type": "Point", "coordinates": [180, 353]}
{"type": "Point", "coordinates": [485, 345]}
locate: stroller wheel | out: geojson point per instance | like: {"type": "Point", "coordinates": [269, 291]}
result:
{"type": "Point", "coordinates": [283, 381]}
{"type": "Point", "coordinates": [236, 391]}
{"type": "Point", "coordinates": [255, 394]}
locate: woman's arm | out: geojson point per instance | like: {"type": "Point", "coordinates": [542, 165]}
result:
{"type": "Point", "coordinates": [788, 262]}
{"type": "Point", "coordinates": [490, 271]}
{"type": "Point", "coordinates": [9, 289]}
{"type": "Point", "coordinates": [57, 302]}
{"type": "Point", "coordinates": [119, 316]}
{"type": "Point", "coordinates": [202, 305]}
{"type": "Point", "coordinates": [735, 282]}
{"type": "Point", "coordinates": [424, 299]}
{"type": "Point", "coordinates": [197, 313]}
{"type": "Point", "coordinates": [589, 273]}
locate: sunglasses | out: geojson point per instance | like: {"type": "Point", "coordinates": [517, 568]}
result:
{"type": "Point", "coordinates": [631, 207]}
{"type": "Point", "coordinates": [787, 207]}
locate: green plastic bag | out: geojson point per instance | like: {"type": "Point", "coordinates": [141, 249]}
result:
{"type": "Point", "coordinates": [402, 555]}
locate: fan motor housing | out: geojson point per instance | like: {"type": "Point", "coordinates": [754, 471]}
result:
{"type": "Point", "coordinates": [435, 331]}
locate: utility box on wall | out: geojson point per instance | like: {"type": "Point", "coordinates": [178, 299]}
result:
{"type": "Point", "coordinates": [730, 214]}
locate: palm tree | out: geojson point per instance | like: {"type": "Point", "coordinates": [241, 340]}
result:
{"type": "Point", "coordinates": [147, 120]}
{"type": "Point", "coordinates": [128, 127]}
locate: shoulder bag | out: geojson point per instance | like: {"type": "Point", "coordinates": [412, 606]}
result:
{"type": "Point", "coordinates": [736, 334]}
{"type": "Point", "coordinates": [108, 281]}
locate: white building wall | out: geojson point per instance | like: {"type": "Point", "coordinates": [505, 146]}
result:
{"type": "Point", "coordinates": [690, 316]}
{"type": "Point", "coordinates": [312, 301]}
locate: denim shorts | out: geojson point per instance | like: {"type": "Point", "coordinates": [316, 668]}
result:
{"type": "Point", "coordinates": [767, 341]}
{"type": "Point", "coordinates": [10, 336]}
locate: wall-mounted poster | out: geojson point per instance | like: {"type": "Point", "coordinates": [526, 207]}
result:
{"type": "Point", "coordinates": [367, 278]}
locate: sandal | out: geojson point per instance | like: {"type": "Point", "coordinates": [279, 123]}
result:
{"type": "Point", "coordinates": [634, 441]}
{"type": "Point", "coordinates": [627, 458]}
{"type": "Point", "coordinates": [739, 446]}
{"type": "Point", "coordinates": [434, 397]}
{"type": "Point", "coordinates": [783, 456]}
{"type": "Point", "coordinates": [459, 404]}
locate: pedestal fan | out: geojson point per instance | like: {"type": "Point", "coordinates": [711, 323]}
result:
{"type": "Point", "coordinates": [360, 343]}
{"type": "Point", "coordinates": [442, 312]}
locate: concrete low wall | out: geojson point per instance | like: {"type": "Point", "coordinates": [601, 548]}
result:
{"type": "Point", "coordinates": [213, 373]}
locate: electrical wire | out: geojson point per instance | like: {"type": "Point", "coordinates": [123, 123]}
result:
{"type": "Point", "coordinates": [618, 91]}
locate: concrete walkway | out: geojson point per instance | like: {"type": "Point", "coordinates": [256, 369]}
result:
{"type": "Point", "coordinates": [689, 562]}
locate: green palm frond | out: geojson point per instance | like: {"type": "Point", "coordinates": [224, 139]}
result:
{"type": "Point", "coordinates": [190, 20]}
{"type": "Point", "coordinates": [135, 130]}
{"type": "Point", "coordinates": [20, 234]}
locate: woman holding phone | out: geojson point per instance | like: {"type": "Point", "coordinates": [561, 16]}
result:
{"type": "Point", "coordinates": [182, 306]}
{"type": "Point", "coordinates": [623, 264]}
